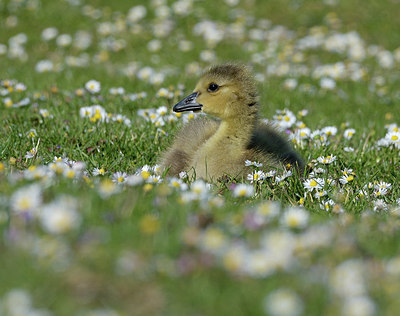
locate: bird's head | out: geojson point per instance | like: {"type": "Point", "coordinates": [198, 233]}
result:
{"type": "Point", "coordinates": [225, 91]}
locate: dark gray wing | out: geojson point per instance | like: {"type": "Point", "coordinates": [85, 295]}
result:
{"type": "Point", "coordinates": [268, 141]}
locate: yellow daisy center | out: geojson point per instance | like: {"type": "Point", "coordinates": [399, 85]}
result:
{"type": "Point", "coordinates": [24, 203]}
{"type": "Point", "coordinates": [293, 221]}
{"type": "Point", "coordinates": [70, 173]}
{"type": "Point", "coordinates": [145, 174]}
{"type": "Point", "coordinates": [350, 178]}
{"type": "Point", "coordinates": [176, 184]}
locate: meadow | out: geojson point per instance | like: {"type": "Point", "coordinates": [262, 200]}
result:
{"type": "Point", "coordinates": [90, 227]}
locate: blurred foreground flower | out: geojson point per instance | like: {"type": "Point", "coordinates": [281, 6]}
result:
{"type": "Point", "coordinates": [149, 224]}
{"type": "Point", "coordinates": [243, 190]}
{"type": "Point", "coordinates": [283, 302]}
{"type": "Point", "coordinates": [295, 217]}
{"type": "Point", "coordinates": [26, 199]}
{"type": "Point", "coordinates": [60, 216]}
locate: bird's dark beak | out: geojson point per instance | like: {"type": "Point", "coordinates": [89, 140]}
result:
{"type": "Point", "coordinates": [188, 104]}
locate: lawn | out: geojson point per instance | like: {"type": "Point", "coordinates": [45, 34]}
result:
{"type": "Point", "coordinates": [89, 226]}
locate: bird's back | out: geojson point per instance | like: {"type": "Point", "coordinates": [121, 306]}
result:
{"type": "Point", "coordinates": [269, 142]}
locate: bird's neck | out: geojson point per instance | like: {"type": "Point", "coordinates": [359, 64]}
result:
{"type": "Point", "coordinates": [237, 130]}
{"type": "Point", "coordinates": [226, 147]}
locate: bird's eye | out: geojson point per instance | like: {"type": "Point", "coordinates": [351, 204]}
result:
{"type": "Point", "coordinates": [213, 87]}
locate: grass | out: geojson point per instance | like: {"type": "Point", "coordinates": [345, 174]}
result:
{"type": "Point", "coordinates": [149, 247]}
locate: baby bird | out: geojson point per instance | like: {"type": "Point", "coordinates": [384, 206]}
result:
{"type": "Point", "coordinates": [218, 145]}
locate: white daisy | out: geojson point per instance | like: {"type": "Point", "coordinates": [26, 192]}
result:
{"type": "Point", "coordinates": [320, 194]}
{"type": "Point", "coordinates": [314, 184]}
{"type": "Point", "coordinates": [304, 132]}
{"type": "Point", "coordinates": [178, 183]}
{"type": "Point", "coordinates": [380, 192]}
{"type": "Point", "coordinates": [329, 130]}
{"type": "Point", "coordinates": [49, 33]}
{"type": "Point", "coordinates": [165, 93]}
{"type": "Point", "coordinates": [134, 180]}
{"type": "Point", "coordinates": [243, 190]}
{"type": "Point", "coordinates": [19, 87]}
{"type": "Point", "coordinates": [213, 240]}
{"type": "Point", "coordinates": [64, 40]}
{"type": "Point", "coordinates": [119, 177]}
{"type": "Point", "coordinates": [327, 83]}
{"type": "Point", "coordinates": [284, 119]}
{"type": "Point", "coordinates": [26, 199]}
{"type": "Point", "coordinates": [44, 66]}
{"type": "Point", "coordinates": [117, 91]}
{"type": "Point", "coordinates": [283, 302]}
{"type": "Point", "coordinates": [383, 185]}
{"type": "Point", "coordinates": [256, 176]}
{"type": "Point", "coordinates": [93, 86]}
{"type": "Point", "coordinates": [154, 179]}
{"type": "Point", "coordinates": [283, 176]}
{"type": "Point", "coordinates": [393, 138]}
{"type": "Point", "coordinates": [379, 205]}
{"type": "Point", "coordinates": [199, 188]}
{"type": "Point", "coordinates": [248, 163]}
{"type": "Point", "coordinates": [107, 188]}
{"type": "Point", "coordinates": [31, 133]}
{"type": "Point", "coordinates": [348, 149]}
{"type": "Point", "coordinates": [45, 113]}
{"type": "Point", "coordinates": [98, 172]}
{"type": "Point", "coordinates": [327, 205]}
{"type": "Point", "coordinates": [30, 154]}
{"type": "Point", "coordinates": [349, 133]}
{"type": "Point", "coordinates": [358, 305]}
{"type": "Point", "coordinates": [8, 102]}
{"type": "Point", "coordinates": [290, 83]}
{"type": "Point", "coordinates": [347, 171]}
{"type": "Point", "coordinates": [303, 113]}
{"type": "Point", "coordinates": [326, 160]}
{"type": "Point", "coordinates": [346, 179]}
{"type": "Point", "coordinates": [270, 174]}
{"type": "Point", "coordinates": [71, 173]}
{"type": "Point", "coordinates": [295, 217]}
{"type": "Point", "coordinates": [392, 127]}
{"type": "Point", "coordinates": [60, 216]}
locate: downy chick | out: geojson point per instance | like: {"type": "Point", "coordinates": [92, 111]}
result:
{"type": "Point", "coordinates": [219, 144]}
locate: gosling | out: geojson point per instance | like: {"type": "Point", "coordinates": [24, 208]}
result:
{"type": "Point", "coordinates": [215, 146]}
